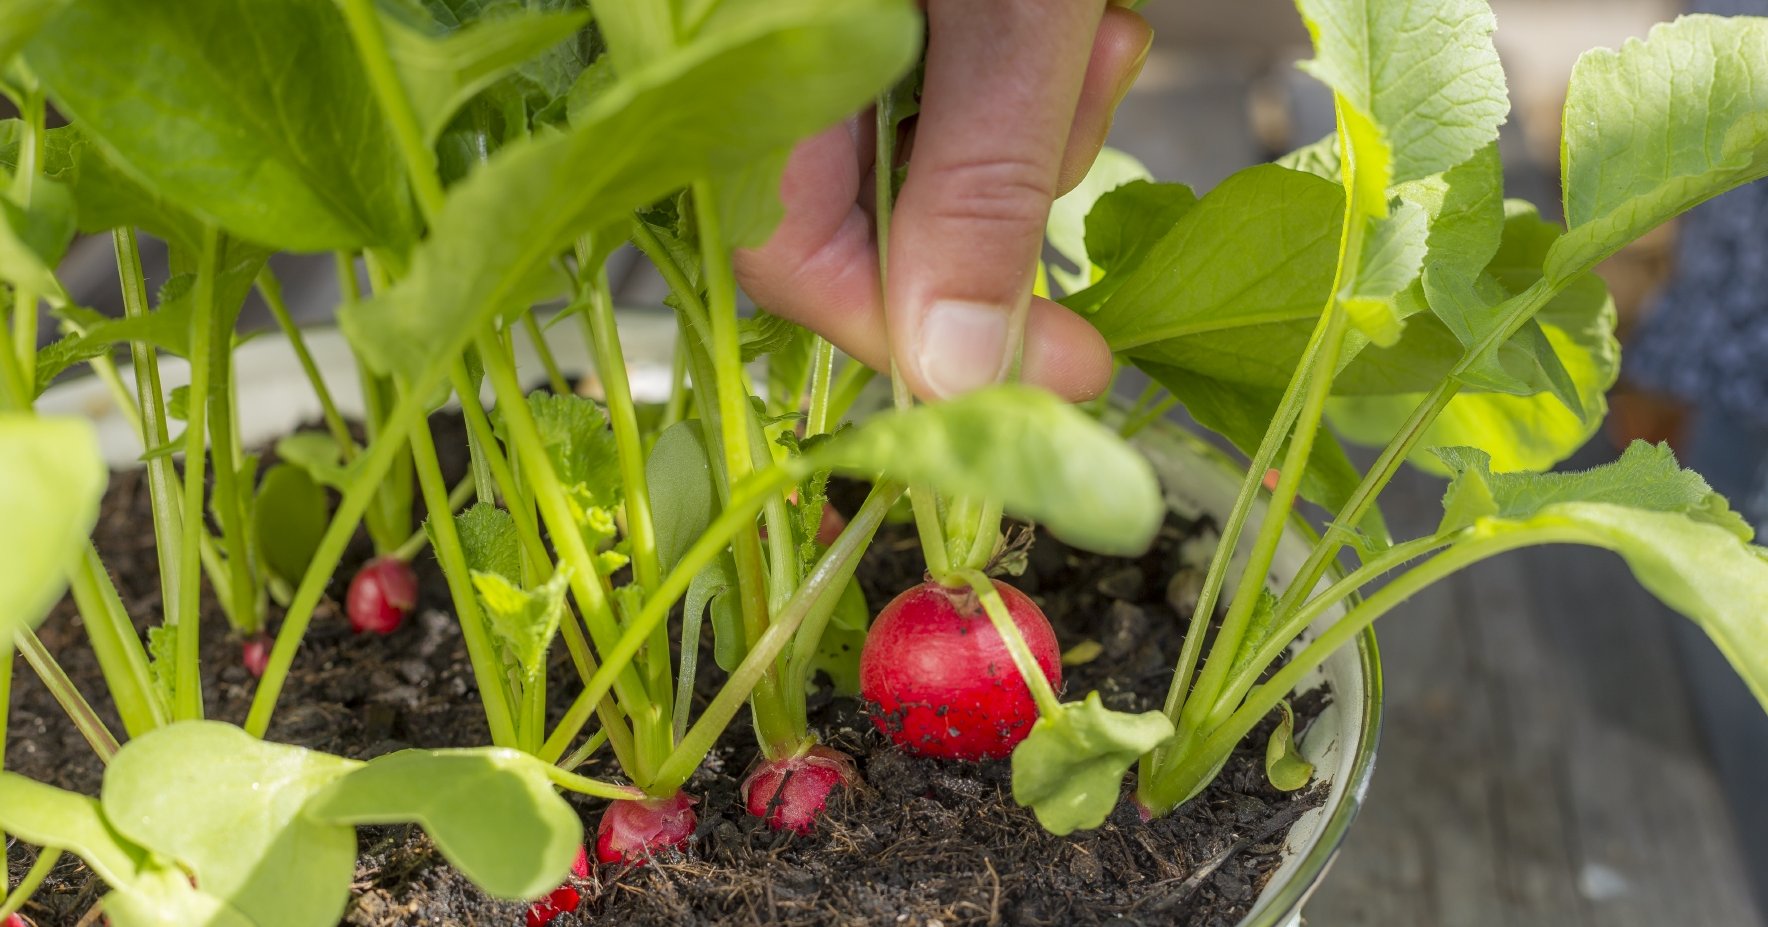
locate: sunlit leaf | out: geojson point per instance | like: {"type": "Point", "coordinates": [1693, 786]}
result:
{"type": "Point", "coordinates": [1070, 768]}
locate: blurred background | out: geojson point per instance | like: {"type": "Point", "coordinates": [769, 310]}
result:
{"type": "Point", "coordinates": [1559, 749]}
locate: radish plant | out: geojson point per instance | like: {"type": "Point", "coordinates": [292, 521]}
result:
{"type": "Point", "coordinates": [465, 163]}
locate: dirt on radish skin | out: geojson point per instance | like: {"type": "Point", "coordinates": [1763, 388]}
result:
{"type": "Point", "coordinates": [634, 830]}
{"type": "Point", "coordinates": [381, 595]}
{"type": "Point", "coordinates": [942, 678]}
{"type": "Point", "coordinates": [790, 794]}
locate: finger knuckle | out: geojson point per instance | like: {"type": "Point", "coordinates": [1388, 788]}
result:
{"type": "Point", "coordinates": [1005, 191]}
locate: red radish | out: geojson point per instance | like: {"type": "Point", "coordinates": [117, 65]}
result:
{"type": "Point", "coordinates": [790, 793]}
{"type": "Point", "coordinates": [255, 654]}
{"type": "Point", "coordinates": [562, 900]}
{"type": "Point", "coordinates": [580, 865]}
{"type": "Point", "coordinates": [15, 920]}
{"type": "Point", "coordinates": [634, 829]}
{"type": "Point", "coordinates": [1272, 475]}
{"type": "Point", "coordinates": [384, 590]}
{"type": "Point", "coordinates": [942, 678]}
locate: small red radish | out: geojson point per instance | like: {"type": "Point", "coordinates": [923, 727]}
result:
{"type": "Point", "coordinates": [1272, 475]}
{"type": "Point", "coordinates": [255, 654]}
{"type": "Point", "coordinates": [15, 920]}
{"type": "Point", "coordinates": [580, 865]}
{"type": "Point", "coordinates": [942, 679]}
{"type": "Point", "coordinates": [789, 793]}
{"type": "Point", "coordinates": [562, 900]}
{"type": "Point", "coordinates": [634, 829]}
{"type": "Point", "coordinates": [384, 590]}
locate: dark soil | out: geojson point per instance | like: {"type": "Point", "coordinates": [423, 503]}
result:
{"type": "Point", "coordinates": [921, 843]}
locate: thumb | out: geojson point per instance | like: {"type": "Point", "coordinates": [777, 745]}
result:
{"type": "Point", "coordinates": [1002, 81]}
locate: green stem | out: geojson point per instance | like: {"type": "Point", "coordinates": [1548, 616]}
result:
{"type": "Point", "coordinates": [554, 377]}
{"type": "Point", "coordinates": [587, 582]}
{"type": "Point", "coordinates": [231, 497]}
{"type": "Point", "coordinates": [850, 383]}
{"type": "Point", "coordinates": [827, 578]}
{"type": "Point", "coordinates": [584, 785]}
{"type": "Point", "coordinates": [115, 644]}
{"type": "Point", "coordinates": [24, 303]}
{"type": "Point", "coordinates": [419, 157]}
{"type": "Point", "coordinates": [457, 499]}
{"type": "Point", "coordinates": [1191, 768]}
{"type": "Point", "coordinates": [582, 754]}
{"type": "Point", "coordinates": [187, 693]}
{"type": "Point", "coordinates": [1297, 623]}
{"type": "Point", "coordinates": [534, 549]}
{"type": "Point", "coordinates": [1276, 520]}
{"type": "Point", "coordinates": [738, 515]}
{"type": "Point", "coordinates": [1048, 704]}
{"type": "Point", "coordinates": [27, 886]}
{"type": "Point", "coordinates": [492, 687]}
{"type": "Point", "coordinates": [1133, 427]}
{"type": "Point", "coordinates": [822, 364]}
{"type": "Point", "coordinates": [271, 289]}
{"type": "Point", "coordinates": [921, 498]}
{"type": "Point", "coordinates": [67, 695]}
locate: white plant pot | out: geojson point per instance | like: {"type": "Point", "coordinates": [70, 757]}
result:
{"type": "Point", "coordinates": [274, 398]}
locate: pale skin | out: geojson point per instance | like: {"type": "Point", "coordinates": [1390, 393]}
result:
{"type": "Point", "coordinates": [1017, 99]}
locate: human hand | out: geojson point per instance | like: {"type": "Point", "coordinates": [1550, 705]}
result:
{"type": "Point", "coordinates": [1017, 99]}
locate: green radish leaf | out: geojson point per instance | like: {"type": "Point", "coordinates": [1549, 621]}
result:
{"type": "Point", "coordinates": [748, 199]}
{"type": "Point", "coordinates": [764, 334]}
{"type": "Point", "coordinates": [637, 33]}
{"type": "Point", "coordinates": [837, 651]}
{"type": "Point", "coordinates": [302, 165]}
{"type": "Point", "coordinates": [1658, 127]}
{"type": "Point", "coordinates": [1465, 206]}
{"type": "Point", "coordinates": [488, 537]}
{"type": "Point", "coordinates": [230, 808]}
{"type": "Point", "coordinates": [1257, 252]}
{"type": "Point", "coordinates": [1287, 769]}
{"type": "Point", "coordinates": [1393, 254]}
{"type": "Point", "coordinates": [492, 812]}
{"type": "Point", "coordinates": [318, 454]}
{"type": "Point", "coordinates": [1680, 539]}
{"type": "Point", "coordinates": [35, 235]}
{"type": "Point", "coordinates": [722, 100]}
{"type": "Point", "coordinates": [1242, 413]}
{"type": "Point", "coordinates": [1067, 228]}
{"type": "Point", "coordinates": [104, 197]}
{"type": "Point", "coordinates": [580, 446]}
{"type": "Point", "coordinates": [1044, 459]}
{"type": "Point", "coordinates": [1542, 421]}
{"type": "Point", "coordinates": [289, 518]}
{"type": "Point", "coordinates": [50, 817]}
{"type": "Point", "coordinates": [1069, 770]}
{"type": "Point", "coordinates": [1122, 228]}
{"type": "Point", "coordinates": [441, 73]}
{"type": "Point", "coordinates": [23, 19]}
{"type": "Point", "coordinates": [526, 620]}
{"type": "Point", "coordinates": [51, 480]}
{"type": "Point", "coordinates": [1424, 77]}
{"type": "Point", "coordinates": [684, 499]}
{"type": "Point", "coordinates": [147, 892]}
{"type": "Point", "coordinates": [711, 588]}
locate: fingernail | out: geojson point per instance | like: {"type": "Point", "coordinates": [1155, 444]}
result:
{"type": "Point", "coordinates": [963, 345]}
{"type": "Point", "coordinates": [1129, 77]}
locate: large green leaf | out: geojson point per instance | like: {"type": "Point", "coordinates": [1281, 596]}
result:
{"type": "Point", "coordinates": [1069, 770]}
{"type": "Point", "coordinates": [104, 197]}
{"type": "Point", "coordinates": [51, 480]}
{"type": "Point", "coordinates": [441, 73]}
{"type": "Point", "coordinates": [148, 892]}
{"type": "Point", "coordinates": [1658, 127]}
{"type": "Point", "coordinates": [1044, 459]}
{"type": "Point", "coordinates": [35, 235]}
{"type": "Point", "coordinates": [1066, 228]}
{"type": "Point", "coordinates": [1425, 75]}
{"type": "Point", "coordinates": [230, 807]}
{"type": "Point", "coordinates": [1681, 539]}
{"type": "Point", "coordinates": [712, 106]}
{"type": "Point", "coordinates": [289, 517]}
{"type": "Point", "coordinates": [492, 812]}
{"type": "Point", "coordinates": [23, 18]}
{"type": "Point", "coordinates": [253, 113]}
{"type": "Point", "coordinates": [1537, 422]}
